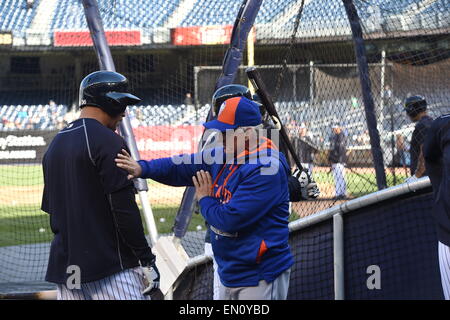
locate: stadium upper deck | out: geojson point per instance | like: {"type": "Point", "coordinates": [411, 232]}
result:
{"type": "Point", "coordinates": [152, 17]}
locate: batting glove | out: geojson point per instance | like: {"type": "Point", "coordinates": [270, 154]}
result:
{"type": "Point", "coordinates": [309, 188]}
{"type": "Point", "coordinates": [151, 277]}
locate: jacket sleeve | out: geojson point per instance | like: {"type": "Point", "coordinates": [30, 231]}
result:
{"type": "Point", "coordinates": [175, 171]}
{"type": "Point", "coordinates": [253, 198]}
{"type": "Point", "coordinates": [128, 222]}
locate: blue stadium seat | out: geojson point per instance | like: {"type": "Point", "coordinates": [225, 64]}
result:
{"type": "Point", "coordinates": [212, 12]}
{"type": "Point", "coordinates": [15, 16]}
{"type": "Point", "coordinates": [116, 14]}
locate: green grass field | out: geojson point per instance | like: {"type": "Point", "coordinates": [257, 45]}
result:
{"type": "Point", "coordinates": [359, 184]}
{"type": "Point", "coordinates": [28, 224]}
{"type": "Point", "coordinates": [25, 223]}
{"type": "Point", "coordinates": [24, 175]}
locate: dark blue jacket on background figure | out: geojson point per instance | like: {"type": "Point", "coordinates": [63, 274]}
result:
{"type": "Point", "coordinates": [248, 213]}
{"type": "Point", "coordinates": [436, 151]}
{"type": "Point", "coordinates": [338, 148]}
{"type": "Point", "coordinates": [417, 139]}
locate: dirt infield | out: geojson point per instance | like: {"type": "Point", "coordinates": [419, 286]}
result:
{"type": "Point", "coordinates": [20, 195]}
{"type": "Point", "coordinates": [32, 195]}
{"type": "Point", "coordinates": [306, 208]}
{"type": "Point", "coordinates": [159, 195]}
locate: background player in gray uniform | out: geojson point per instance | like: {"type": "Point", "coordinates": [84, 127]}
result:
{"type": "Point", "coordinates": [99, 250]}
{"type": "Point", "coordinates": [436, 152]}
{"type": "Point", "coordinates": [338, 157]}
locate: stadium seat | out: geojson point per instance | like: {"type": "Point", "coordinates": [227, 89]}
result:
{"type": "Point", "coordinates": [117, 14]}
{"type": "Point", "coordinates": [16, 17]}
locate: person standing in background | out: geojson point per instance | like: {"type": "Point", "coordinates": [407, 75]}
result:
{"type": "Point", "coordinates": [338, 158]}
{"type": "Point", "coordinates": [416, 109]}
{"type": "Point", "coordinates": [189, 103]}
{"type": "Point", "coordinates": [305, 149]}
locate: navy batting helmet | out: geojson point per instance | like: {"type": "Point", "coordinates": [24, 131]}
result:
{"type": "Point", "coordinates": [258, 100]}
{"type": "Point", "coordinates": [415, 105]}
{"type": "Point", "coordinates": [228, 92]}
{"type": "Point", "coordinates": [106, 90]}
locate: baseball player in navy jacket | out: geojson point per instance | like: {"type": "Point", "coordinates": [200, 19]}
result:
{"type": "Point", "coordinates": [243, 195]}
{"type": "Point", "coordinates": [99, 250]}
{"type": "Point", "coordinates": [436, 151]}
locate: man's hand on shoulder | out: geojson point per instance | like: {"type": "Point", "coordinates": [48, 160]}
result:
{"type": "Point", "coordinates": [126, 162]}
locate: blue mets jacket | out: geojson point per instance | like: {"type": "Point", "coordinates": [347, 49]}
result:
{"type": "Point", "coordinates": [248, 212]}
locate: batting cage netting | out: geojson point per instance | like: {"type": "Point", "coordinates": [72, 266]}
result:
{"type": "Point", "coordinates": [333, 67]}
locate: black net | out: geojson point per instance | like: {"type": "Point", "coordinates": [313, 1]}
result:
{"type": "Point", "coordinates": [397, 238]}
{"type": "Point", "coordinates": [172, 52]}
{"type": "Point", "coordinates": [400, 239]}
{"type": "Point", "coordinates": [312, 274]}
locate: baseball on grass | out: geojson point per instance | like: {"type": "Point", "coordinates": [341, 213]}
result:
{"type": "Point", "coordinates": [41, 230]}
{"type": "Point", "coordinates": [162, 220]}
{"type": "Point", "coordinates": [199, 227]}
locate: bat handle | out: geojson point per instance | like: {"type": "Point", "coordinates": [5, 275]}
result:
{"type": "Point", "coordinates": [276, 122]}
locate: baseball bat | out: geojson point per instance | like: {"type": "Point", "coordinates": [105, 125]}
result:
{"type": "Point", "coordinates": [260, 88]}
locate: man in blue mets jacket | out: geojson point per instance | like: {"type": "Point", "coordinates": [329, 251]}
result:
{"type": "Point", "coordinates": [242, 188]}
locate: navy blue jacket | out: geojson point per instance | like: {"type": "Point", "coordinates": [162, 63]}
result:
{"type": "Point", "coordinates": [248, 213]}
{"type": "Point", "coordinates": [338, 148]}
{"type": "Point", "coordinates": [417, 139]}
{"type": "Point", "coordinates": [91, 203]}
{"type": "Point", "coordinates": [436, 151]}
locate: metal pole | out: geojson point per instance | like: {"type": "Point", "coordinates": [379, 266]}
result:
{"type": "Point", "coordinates": [311, 81]}
{"type": "Point", "coordinates": [294, 87]}
{"type": "Point", "coordinates": [382, 93]}
{"type": "Point", "coordinates": [369, 105]}
{"type": "Point", "coordinates": [338, 256]}
{"type": "Point", "coordinates": [196, 71]}
{"type": "Point", "coordinates": [251, 54]}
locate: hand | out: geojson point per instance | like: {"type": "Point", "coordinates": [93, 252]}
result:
{"type": "Point", "coordinates": [203, 184]}
{"type": "Point", "coordinates": [309, 188]}
{"type": "Point", "coordinates": [126, 162]}
{"type": "Point", "coordinates": [151, 277]}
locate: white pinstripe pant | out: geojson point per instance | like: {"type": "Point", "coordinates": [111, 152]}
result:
{"type": "Point", "coordinates": [444, 266]}
{"type": "Point", "coordinates": [124, 285]}
{"type": "Point", "coordinates": [339, 179]}
{"type": "Point", "coordinates": [216, 281]}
